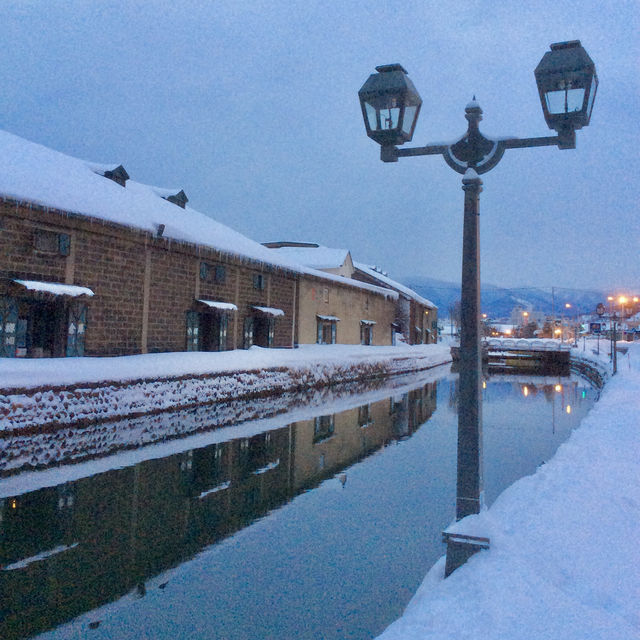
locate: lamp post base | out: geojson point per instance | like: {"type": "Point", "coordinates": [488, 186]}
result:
{"type": "Point", "coordinates": [460, 548]}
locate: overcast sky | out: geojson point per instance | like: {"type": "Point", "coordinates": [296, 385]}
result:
{"type": "Point", "coordinates": [251, 107]}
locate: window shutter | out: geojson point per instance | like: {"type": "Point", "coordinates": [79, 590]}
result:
{"type": "Point", "coordinates": [334, 328]}
{"type": "Point", "coordinates": [76, 329]}
{"type": "Point", "coordinates": [248, 333]}
{"type": "Point", "coordinates": [224, 322]}
{"type": "Point", "coordinates": [271, 332]}
{"type": "Point", "coordinates": [8, 326]}
{"type": "Point", "coordinates": [221, 273]}
{"type": "Point", "coordinates": [64, 244]}
{"type": "Point", "coordinates": [193, 330]}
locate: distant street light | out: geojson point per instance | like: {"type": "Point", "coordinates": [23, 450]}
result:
{"type": "Point", "coordinates": [567, 84]}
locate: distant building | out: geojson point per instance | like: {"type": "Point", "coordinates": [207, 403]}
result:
{"type": "Point", "coordinates": [342, 310]}
{"type": "Point", "coordinates": [415, 318]}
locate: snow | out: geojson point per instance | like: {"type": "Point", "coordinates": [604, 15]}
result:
{"type": "Point", "coordinates": [269, 311]}
{"type": "Point", "coordinates": [221, 487]}
{"type": "Point", "coordinates": [471, 174]}
{"type": "Point", "coordinates": [318, 257]}
{"type": "Point", "coordinates": [18, 373]}
{"type": "Point", "coordinates": [223, 306]}
{"type": "Point", "coordinates": [564, 556]}
{"type": "Point", "coordinates": [387, 281]}
{"type": "Point", "coordinates": [43, 555]}
{"type": "Point", "coordinates": [55, 288]}
{"type": "Point", "coordinates": [101, 169]}
{"type": "Point", "coordinates": [328, 318]}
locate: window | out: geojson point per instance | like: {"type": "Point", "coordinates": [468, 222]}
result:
{"type": "Point", "coordinates": [217, 273]}
{"type": "Point", "coordinates": [325, 294]}
{"type": "Point", "coordinates": [327, 330]}
{"type": "Point", "coordinates": [46, 241]}
{"type": "Point", "coordinates": [366, 333]}
{"type": "Point", "coordinates": [258, 281]}
{"type": "Point", "coordinates": [323, 428]}
{"type": "Point", "coordinates": [364, 415]}
{"type": "Point", "coordinates": [220, 273]}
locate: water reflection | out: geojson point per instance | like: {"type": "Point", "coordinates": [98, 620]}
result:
{"type": "Point", "coordinates": [71, 548]}
{"type": "Point", "coordinates": [339, 561]}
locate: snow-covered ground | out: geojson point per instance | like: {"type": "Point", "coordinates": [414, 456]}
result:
{"type": "Point", "coordinates": [564, 556]}
{"type": "Point", "coordinates": [57, 372]}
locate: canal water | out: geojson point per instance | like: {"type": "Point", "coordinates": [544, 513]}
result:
{"type": "Point", "coordinates": [316, 524]}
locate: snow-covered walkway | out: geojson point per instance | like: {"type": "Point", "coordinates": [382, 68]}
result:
{"type": "Point", "coordinates": [564, 558]}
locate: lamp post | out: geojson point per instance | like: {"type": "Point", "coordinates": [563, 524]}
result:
{"type": "Point", "coordinates": [567, 84]}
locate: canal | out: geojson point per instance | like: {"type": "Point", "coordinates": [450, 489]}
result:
{"type": "Point", "coordinates": [319, 523]}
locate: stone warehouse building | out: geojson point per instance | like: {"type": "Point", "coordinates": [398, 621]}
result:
{"type": "Point", "coordinates": [94, 263]}
{"type": "Point", "coordinates": [414, 319]}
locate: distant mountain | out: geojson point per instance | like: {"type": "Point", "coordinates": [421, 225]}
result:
{"type": "Point", "coordinates": [498, 302]}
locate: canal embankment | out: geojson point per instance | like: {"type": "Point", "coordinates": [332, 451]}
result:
{"type": "Point", "coordinates": [563, 560]}
{"type": "Point", "coordinates": [44, 395]}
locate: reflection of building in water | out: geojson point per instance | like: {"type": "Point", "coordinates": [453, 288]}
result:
{"type": "Point", "coordinates": [68, 549]}
{"type": "Point", "coordinates": [328, 443]}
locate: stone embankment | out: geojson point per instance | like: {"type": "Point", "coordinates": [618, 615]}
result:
{"type": "Point", "coordinates": [49, 407]}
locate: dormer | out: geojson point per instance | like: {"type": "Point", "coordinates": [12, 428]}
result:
{"type": "Point", "coordinates": [179, 197]}
{"type": "Point", "coordinates": [115, 172]}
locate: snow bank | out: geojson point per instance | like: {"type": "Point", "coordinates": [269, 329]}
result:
{"type": "Point", "coordinates": [51, 393]}
{"type": "Point", "coordinates": [564, 558]}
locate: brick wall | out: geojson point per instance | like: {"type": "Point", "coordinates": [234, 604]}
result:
{"type": "Point", "coordinates": [143, 285]}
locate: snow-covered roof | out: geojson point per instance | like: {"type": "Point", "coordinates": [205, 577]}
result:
{"type": "Point", "coordinates": [222, 306]}
{"type": "Point", "coordinates": [269, 311]}
{"type": "Point", "coordinates": [386, 280]}
{"type": "Point", "coordinates": [317, 257]}
{"type": "Point", "coordinates": [55, 288]}
{"type": "Point", "coordinates": [36, 174]}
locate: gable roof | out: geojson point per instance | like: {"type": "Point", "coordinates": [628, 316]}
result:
{"type": "Point", "coordinates": [316, 257]}
{"type": "Point", "coordinates": [386, 281]}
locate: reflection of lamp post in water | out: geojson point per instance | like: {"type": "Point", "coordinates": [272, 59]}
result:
{"type": "Point", "coordinates": [567, 306]}
{"type": "Point", "coordinates": [567, 83]}
{"type": "Point", "coordinates": [600, 311]}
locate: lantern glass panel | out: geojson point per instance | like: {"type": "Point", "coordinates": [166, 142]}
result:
{"type": "Point", "coordinates": [565, 100]}
{"type": "Point", "coordinates": [373, 116]}
{"type": "Point", "coordinates": [409, 118]}
{"type": "Point", "coordinates": [592, 95]}
{"type": "Point", "coordinates": [390, 117]}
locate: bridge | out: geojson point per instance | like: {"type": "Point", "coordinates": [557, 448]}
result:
{"type": "Point", "coordinates": [540, 354]}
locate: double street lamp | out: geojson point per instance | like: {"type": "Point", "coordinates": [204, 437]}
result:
{"type": "Point", "coordinates": [567, 84]}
